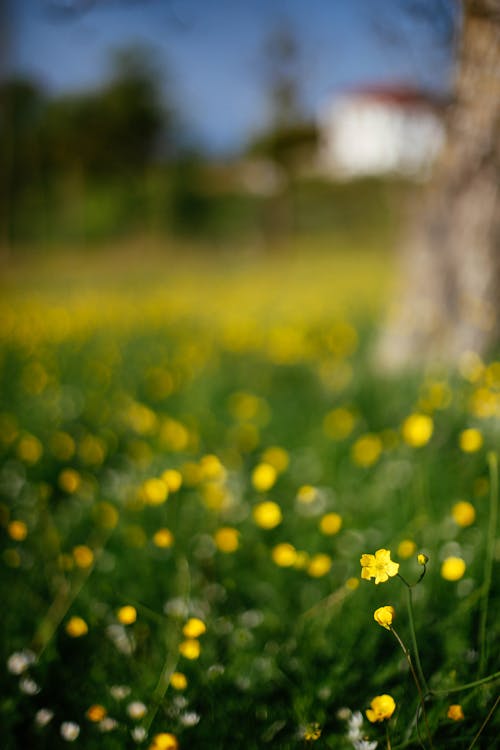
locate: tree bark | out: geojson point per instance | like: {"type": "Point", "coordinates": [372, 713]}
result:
{"type": "Point", "coordinates": [449, 301]}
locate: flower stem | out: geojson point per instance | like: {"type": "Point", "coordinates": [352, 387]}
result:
{"type": "Point", "coordinates": [488, 563]}
{"type": "Point", "coordinates": [409, 603]}
{"type": "Point", "coordinates": [388, 737]}
{"type": "Point", "coordinates": [417, 682]}
{"type": "Point", "coordinates": [467, 686]}
{"type": "Point", "coordinates": [490, 714]}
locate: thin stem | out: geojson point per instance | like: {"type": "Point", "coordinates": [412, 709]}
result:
{"type": "Point", "coordinates": [417, 683]}
{"type": "Point", "coordinates": [490, 714]}
{"type": "Point", "coordinates": [388, 737]}
{"type": "Point", "coordinates": [413, 635]}
{"type": "Point", "coordinates": [467, 686]}
{"type": "Point", "coordinates": [488, 563]}
{"type": "Point", "coordinates": [171, 640]}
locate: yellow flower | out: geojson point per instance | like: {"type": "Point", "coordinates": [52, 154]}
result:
{"type": "Point", "coordinates": [154, 491]}
{"type": "Point", "coordinates": [264, 476]}
{"type": "Point", "coordinates": [69, 480]}
{"type": "Point", "coordinates": [422, 559]}
{"type": "Point", "coordinates": [463, 513]}
{"type": "Point", "coordinates": [453, 568]}
{"type": "Point", "coordinates": [190, 648]}
{"type": "Point", "coordinates": [284, 555]}
{"type": "Point", "coordinates": [164, 741]}
{"type": "Point", "coordinates": [470, 440]}
{"type": "Point", "coordinates": [319, 565]}
{"type": "Point", "coordinates": [76, 627]}
{"type": "Point", "coordinates": [227, 539]}
{"type": "Point", "coordinates": [382, 707]}
{"type": "Point", "coordinates": [417, 430]}
{"type": "Point", "coordinates": [277, 457]}
{"type": "Point", "coordinates": [352, 584]}
{"type": "Point", "coordinates": [267, 515]}
{"type": "Point", "coordinates": [307, 494]}
{"type": "Point", "coordinates": [406, 548]}
{"type": "Point", "coordinates": [378, 566]}
{"type": "Point", "coordinates": [96, 713]}
{"type": "Point", "coordinates": [127, 615]}
{"type": "Point", "coordinates": [455, 712]}
{"type": "Point", "coordinates": [173, 479]}
{"type": "Point", "coordinates": [29, 449]}
{"type": "Point", "coordinates": [330, 524]}
{"type": "Point", "coordinates": [84, 557]}
{"type": "Point", "coordinates": [312, 732]}
{"type": "Point", "coordinates": [178, 680]}
{"type": "Point", "coordinates": [163, 538]}
{"type": "Point", "coordinates": [194, 627]}
{"type": "Point", "coordinates": [17, 530]}
{"type": "Point", "coordinates": [384, 616]}
{"type": "Point", "coordinates": [366, 450]}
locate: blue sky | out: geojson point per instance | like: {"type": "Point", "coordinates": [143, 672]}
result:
{"type": "Point", "coordinates": [213, 50]}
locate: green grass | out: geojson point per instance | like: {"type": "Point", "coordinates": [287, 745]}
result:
{"type": "Point", "coordinates": [153, 363]}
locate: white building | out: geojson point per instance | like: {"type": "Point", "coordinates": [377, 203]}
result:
{"type": "Point", "coordinates": [380, 130]}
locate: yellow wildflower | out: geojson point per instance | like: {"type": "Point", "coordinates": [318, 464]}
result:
{"type": "Point", "coordinates": [69, 480]}
{"type": "Point", "coordinates": [330, 524]}
{"type": "Point", "coordinates": [417, 430]}
{"type": "Point", "coordinates": [406, 548]}
{"type": "Point", "coordinates": [338, 424]}
{"type": "Point", "coordinates": [127, 615]}
{"type": "Point", "coordinates": [154, 491]}
{"type": "Point", "coordinates": [227, 539]}
{"type": "Point", "coordinates": [173, 479]}
{"type": "Point", "coordinates": [453, 568]}
{"type": "Point", "coordinates": [194, 627]}
{"type": "Point", "coordinates": [312, 732]}
{"type": "Point", "coordinates": [384, 616]}
{"type": "Point", "coordinates": [319, 565]}
{"type": "Point", "coordinates": [382, 707]}
{"type": "Point", "coordinates": [284, 555]}
{"type": "Point", "coordinates": [84, 557]}
{"type": "Point", "coordinates": [163, 538]}
{"type": "Point", "coordinates": [378, 566]}
{"type": "Point", "coordinates": [29, 449]}
{"type": "Point", "coordinates": [366, 450]}
{"type": "Point", "coordinates": [190, 648]}
{"type": "Point", "coordinates": [463, 513]}
{"type": "Point", "coordinates": [264, 476]}
{"type": "Point", "coordinates": [267, 515]}
{"type": "Point", "coordinates": [178, 680]}
{"type": "Point", "coordinates": [470, 440]}
{"type": "Point", "coordinates": [76, 627]}
{"type": "Point", "coordinates": [96, 713]}
{"type": "Point", "coordinates": [455, 712]}
{"type": "Point", "coordinates": [307, 494]}
{"type": "Point", "coordinates": [164, 741]}
{"type": "Point", "coordinates": [17, 530]}
{"type": "Point", "coordinates": [277, 457]}
{"type": "Point", "coordinates": [422, 559]}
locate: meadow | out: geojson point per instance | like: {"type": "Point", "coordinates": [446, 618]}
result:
{"type": "Point", "coordinates": [202, 477]}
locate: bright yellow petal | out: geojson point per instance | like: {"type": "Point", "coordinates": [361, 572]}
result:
{"type": "Point", "coordinates": [367, 573]}
{"type": "Point", "coordinates": [383, 556]}
{"type": "Point", "coordinates": [367, 560]}
{"type": "Point", "coordinates": [381, 576]}
{"type": "Point", "coordinates": [392, 568]}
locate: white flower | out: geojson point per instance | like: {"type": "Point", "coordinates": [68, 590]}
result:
{"type": "Point", "coordinates": [107, 724]}
{"type": "Point", "coordinates": [190, 718]}
{"type": "Point", "coordinates": [119, 692]}
{"type": "Point", "coordinates": [364, 745]}
{"type": "Point", "coordinates": [19, 661]}
{"type": "Point", "coordinates": [139, 734]}
{"type": "Point", "coordinates": [136, 710]}
{"type": "Point", "coordinates": [69, 731]}
{"type": "Point", "coordinates": [43, 716]}
{"type": "Point", "coordinates": [29, 686]}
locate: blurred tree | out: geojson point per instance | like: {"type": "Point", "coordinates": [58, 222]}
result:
{"type": "Point", "coordinates": [290, 139]}
{"type": "Point", "coordinates": [450, 294]}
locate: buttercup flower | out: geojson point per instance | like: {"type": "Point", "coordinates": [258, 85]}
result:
{"type": "Point", "coordinates": [453, 568]}
{"type": "Point", "coordinates": [422, 559]}
{"type": "Point", "coordinates": [455, 712]}
{"type": "Point", "coordinates": [382, 707]}
{"type": "Point", "coordinates": [464, 513]}
{"type": "Point", "coordinates": [378, 566]}
{"type": "Point", "coordinates": [164, 741]}
{"type": "Point", "coordinates": [194, 627]}
{"type": "Point", "coordinates": [384, 616]}
{"type": "Point", "coordinates": [127, 614]}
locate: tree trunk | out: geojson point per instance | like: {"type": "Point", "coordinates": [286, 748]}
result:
{"type": "Point", "coordinates": [450, 295]}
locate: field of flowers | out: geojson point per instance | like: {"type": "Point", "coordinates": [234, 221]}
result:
{"type": "Point", "coordinates": [220, 528]}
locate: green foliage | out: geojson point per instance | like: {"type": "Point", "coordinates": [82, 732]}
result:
{"type": "Point", "coordinates": [121, 391]}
